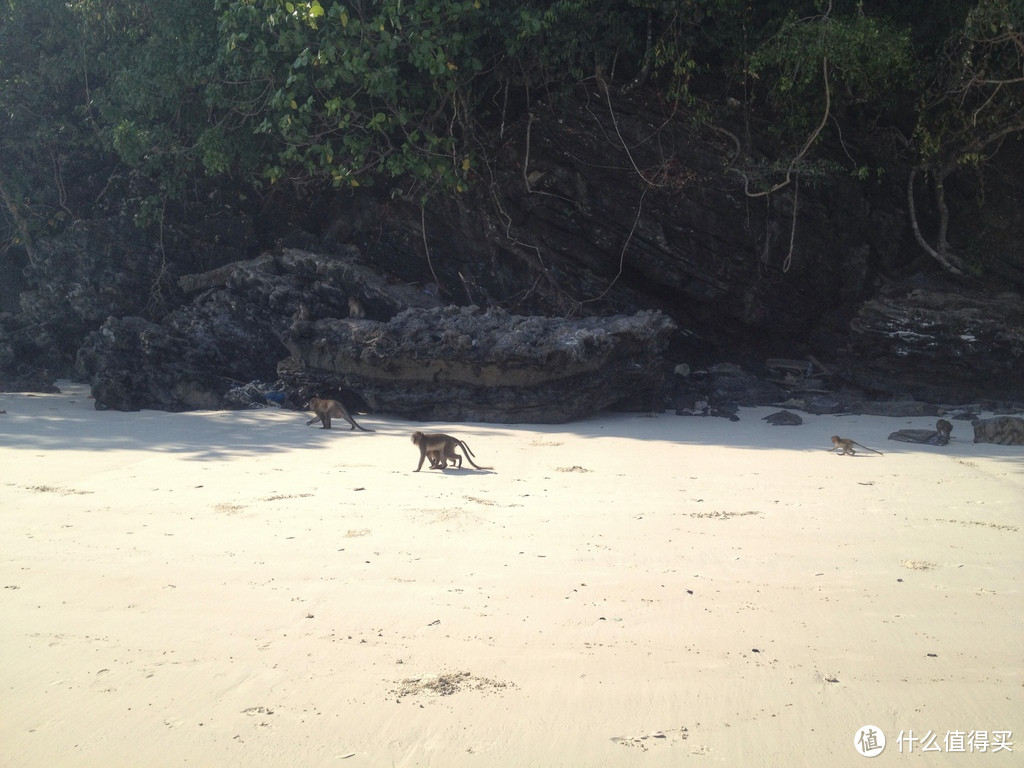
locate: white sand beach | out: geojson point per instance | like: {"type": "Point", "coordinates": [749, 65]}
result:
{"type": "Point", "coordinates": [238, 589]}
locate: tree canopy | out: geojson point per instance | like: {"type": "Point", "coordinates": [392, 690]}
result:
{"type": "Point", "coordinates": [153, 98]}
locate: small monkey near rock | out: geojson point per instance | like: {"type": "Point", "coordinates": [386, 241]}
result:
{"type": "Point", "coordinates": [356, 310]}
{"type": "Point", "coordinates": [439, 448]}
{"type": "Point", "coordinates": [847, 446]}
{"type": "Point", "coordinates": [326, 410]}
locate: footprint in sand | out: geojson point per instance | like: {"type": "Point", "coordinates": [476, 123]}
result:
{"type": "Point", "coordinates": [917, 565]}
{"type": "Point", "coordinates": [260, 712]}
{"type": "Point", "coordinates": [653, 739]}
{"type": "Point", "coordinates": [55, 489]}
{"type": "Point", "coordinates": [101, 683]}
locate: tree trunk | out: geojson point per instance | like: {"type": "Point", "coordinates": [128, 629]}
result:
{"type": "Point", "coordinates": [941, 251]}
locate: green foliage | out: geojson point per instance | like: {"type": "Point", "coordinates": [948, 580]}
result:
{"type": "Point", "coordinates": [551, 44]}
{"type": "Point", "coordinates": [42, 123]}
{"type": "Point", "coordinates": [349, 93]}
{"type": "Point", "coordinates": [153, 103]}
{"type": "Point", "coordinates": [976, 98]}
{"type": "Point", "coordinates": [88, 83]}
{"type": "Point", "coordinates": [865, 60]}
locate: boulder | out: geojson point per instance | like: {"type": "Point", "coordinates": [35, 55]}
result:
{"type": "Point", "coordinates": [938, 436]}
{"type": "Point", "coordinates": [468, 364]}
{"type": "Point", "coordinates": [132, 364]}
{"type": "Point", "coordinates": [784, 419]}
{"type": "Point", "coordinates": [231, 333]}
{"type": "Point", "coordinates": [1004, 430]}
{"type": "Point", "coordinates": [939, 345]}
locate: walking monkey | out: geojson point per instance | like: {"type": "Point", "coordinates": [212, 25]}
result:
{"type": "Point", "coordinates": [440, 448]}
{"type": "Point", "coordinates": [326, 410]}
{"type": "Point", "coordinates": [847, 446]}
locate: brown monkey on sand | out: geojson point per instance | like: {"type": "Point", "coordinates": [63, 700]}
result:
{"type": "Point", "coordinates": [847, 445]}
{"type": "Point", "coordinates": [440, 448]}
{"type": "Point", "coordinates": [326, 410]}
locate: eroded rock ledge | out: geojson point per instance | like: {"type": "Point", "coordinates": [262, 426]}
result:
{"type": "Point", "coordinates": [939, 345]}
{"type": "Point", "coordinates": [468, 364]}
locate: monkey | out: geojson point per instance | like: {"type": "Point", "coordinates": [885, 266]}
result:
{"type": "Point", "coordinates": [330, 409]}
{"type": "Point", "coordinates": [938, 436]}
{"type": "Point", "coordinates": [356, 308]}
{"type": "Point", "coordinates": [847, 445]}
{"type": "Point", "coordinates": [437, 460]}
{"type": "Point", "coordinates": [443, 448]}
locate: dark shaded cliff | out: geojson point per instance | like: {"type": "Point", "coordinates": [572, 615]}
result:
{"type": "Point", "coordinates": [583, 211]}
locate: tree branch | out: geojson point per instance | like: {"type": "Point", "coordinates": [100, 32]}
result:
{"type": "Point", "coordinates": [803, 150]}
{"type": "Point", "coordinates": [949, 261]}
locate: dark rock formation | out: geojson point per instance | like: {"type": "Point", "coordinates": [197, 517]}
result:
{"type": "Point", "coordinates": [426, 363]}
{"type": "Point", "coordinates": [467, 364]}
{"type": "Point", "coordinates": [94, 270]}
{"type": "Point", "coordinates": [937, 346]}
{"type": "Point", "coordinates": [720, 390]}
{"type": "Point", "coordinates": [1004, 430]}
{"type": "Point", "coordinates": [784, 419]}
{"type": "Point", "coordinates": [584, 211]}
{"type": "Point", "coordinates": [938, 436]}
{"type": "Point", "coordinates": [134, 364]}
{"type": "Point", "coordinates": [232, 332]}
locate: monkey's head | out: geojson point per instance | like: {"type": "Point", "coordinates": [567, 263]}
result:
{"type": "Point", "coordinates": [417, 437]}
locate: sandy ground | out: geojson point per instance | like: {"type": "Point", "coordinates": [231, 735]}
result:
{"type": "Point", "coordinates": [237, 589]}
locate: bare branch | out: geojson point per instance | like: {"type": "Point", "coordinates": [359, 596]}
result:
{"type": "Point", "coordinates": [791, 169]}
{"type": "Point", "coordinates": [949, 261]}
